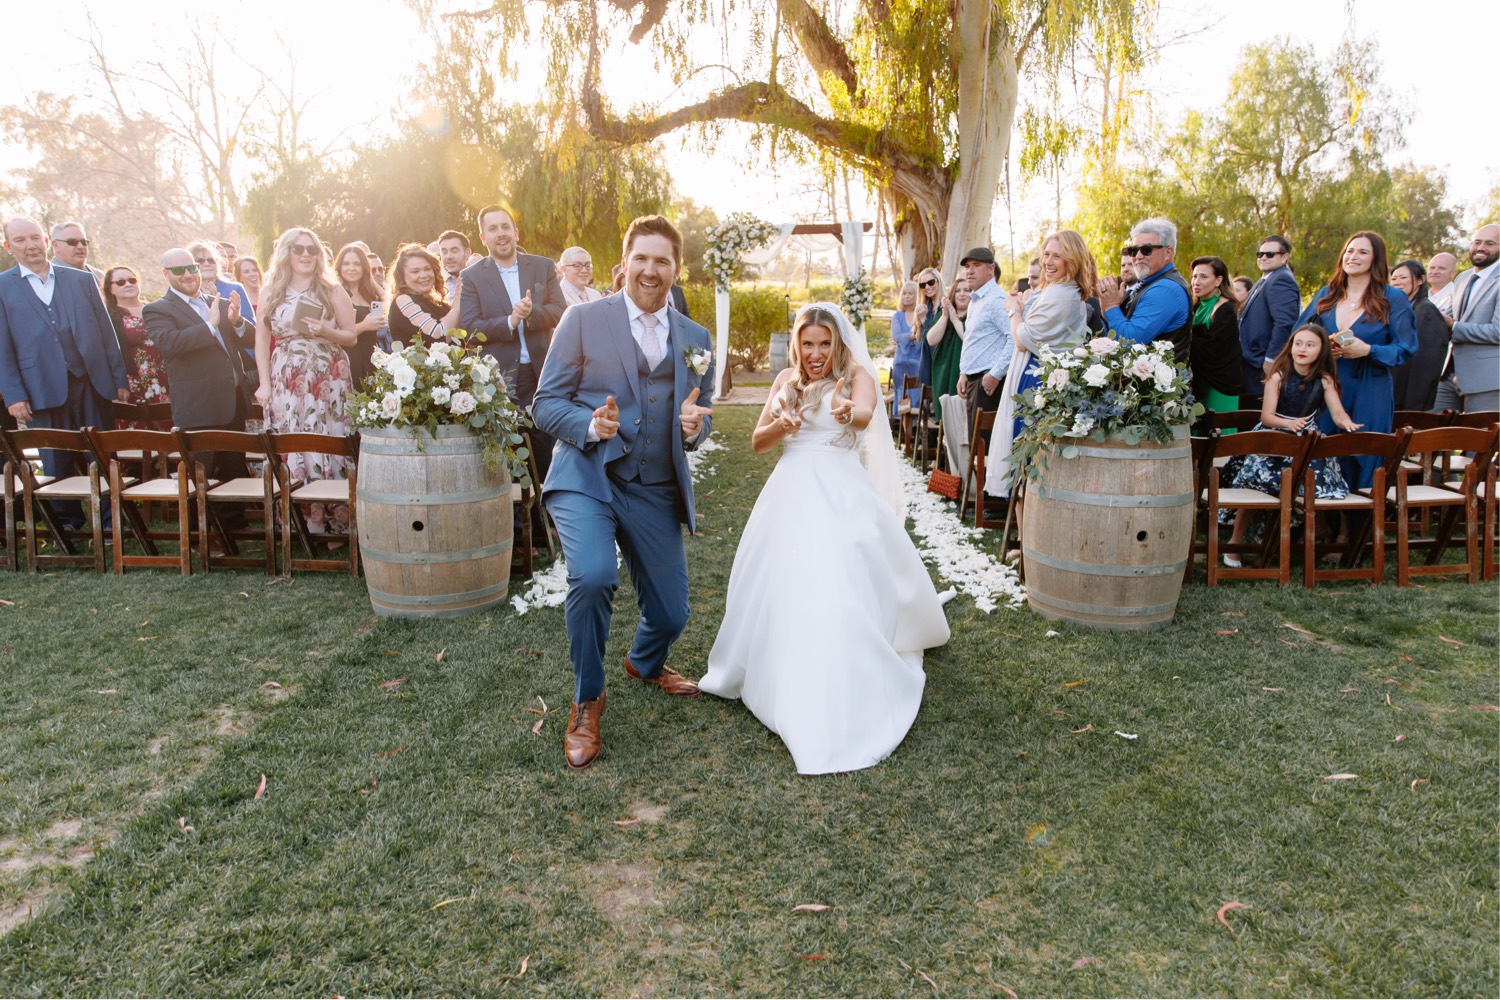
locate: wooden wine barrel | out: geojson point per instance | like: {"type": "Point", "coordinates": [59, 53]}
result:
{"type": "Point", "coordinates": [435, 529]}
{"type": "Point", "coordinates": [1105, 535]}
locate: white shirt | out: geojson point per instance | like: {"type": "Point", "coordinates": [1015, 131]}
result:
{"type": "Point", "coordinates": [512, 278]}
{"type": "Point", "coordinates": [44, 287]}
{"type": "Point", "coordinates": [1443, 299]}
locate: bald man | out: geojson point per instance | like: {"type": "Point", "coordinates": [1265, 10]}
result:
{"type": "Point", "coordinates": [1471, 380]}
{"type": "Point", "coordinates": [1440, 273]}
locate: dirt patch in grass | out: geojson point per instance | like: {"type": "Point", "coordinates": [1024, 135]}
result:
{"type": "Point", "coordinates": [17, 915]}
{"type": "Point", "coordinates": [227, 722]}
{"type": "Point", "coordinates": [623, 891]}
{"type": "Point", "coordinates": [276, 693]}
{"type": "Point", "coordinates": [648, 813]}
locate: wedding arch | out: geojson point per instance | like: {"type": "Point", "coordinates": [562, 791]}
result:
{"type": "Point", "coordinates": [745, 239]}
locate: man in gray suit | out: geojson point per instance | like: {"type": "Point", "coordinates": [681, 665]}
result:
{"type": "Point", "coordinates": [1471, 380]}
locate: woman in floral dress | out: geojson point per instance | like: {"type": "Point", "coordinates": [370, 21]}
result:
{"type": "Point", "coordinates": [144, 367]}
{"type": "Point", "coordinates": [304, 379]}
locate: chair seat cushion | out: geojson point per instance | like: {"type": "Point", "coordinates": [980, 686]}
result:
{"type": "Point", "coordinates": [246, 488]}
{"type": "Point", "coordinates": [1239, 497]}
{"type": "Point", "coordinates": [323, 491]}
{"type": "Point", "coordinates": [1426, 495]}
{"type": "Point", "coordinates": [76, 487]}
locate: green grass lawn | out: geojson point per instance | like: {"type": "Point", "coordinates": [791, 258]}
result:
{"type": "Point", "coordinates": [419, 838]}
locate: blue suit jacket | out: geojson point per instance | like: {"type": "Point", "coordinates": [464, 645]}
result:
{"type": "Point", "coordinates": [32, 367]}
{"type": "Point", "coordinates": [592, 357]}
{"type": "Point", "coordinates": [1266, 324]}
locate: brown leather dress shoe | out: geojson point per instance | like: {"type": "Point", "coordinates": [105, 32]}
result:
{"type": "Point", "coordinates": [667, 679]}
{"type": "Point", "coordinates": [583, 741]}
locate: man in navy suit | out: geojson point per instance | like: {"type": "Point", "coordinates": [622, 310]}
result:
{"type": "Point", "coordinates": [620, 393]}
{"type": "Point", "coordinates": [1270, 312]}
{"type": "Point", "coordinates": [60, 364]}
{"type": "Point", "coordinates": [515, 300]}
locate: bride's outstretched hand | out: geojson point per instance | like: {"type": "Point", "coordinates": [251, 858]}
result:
{"type": "Point", "coordinates": [842, 407]}
{"type": "Point", "coordinates": [789, 421]}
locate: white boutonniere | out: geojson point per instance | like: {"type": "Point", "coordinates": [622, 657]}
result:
{"type": "Point", "coordinates": [698, 360]}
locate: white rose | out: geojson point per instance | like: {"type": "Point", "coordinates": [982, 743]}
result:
{"type": "Point", "coordinates": [1164, 374]}
{"type": "Point", "coordinates": [441, 395]}
{"type": "Point", "coordinates": [1058, 379]}
{"type": "Point", "coordinates": [405, 379]}
{"type": "Point", "coordinates": [378, 358]}
{"type": "Point", "coordinates": [481, 373]}
{"type": "Point", "coordinates": [1103, 347]}
{"type": "Point", "coordinates": [390, 406]}
{"type": "Point", "coordinates": [1143, 368]}
{"type": "Point", "coordinates": [1161, 346]}
{"type": "Point", "coordinates": [452, 380]}
{"type": "Point", "coordinates": [463, 402]}
{"type": "Point", "coordinates": [1096, 375]}
{"type": "Point", "coordinates": [438, 358]}
{"type": "Point", "coordinates": [1080, 352]}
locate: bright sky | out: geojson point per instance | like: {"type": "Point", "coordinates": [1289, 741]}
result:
{"type": "Point", "coordinates": [1429, 62]}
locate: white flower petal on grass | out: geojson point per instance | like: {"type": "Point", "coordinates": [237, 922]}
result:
{"type": "Point", "coordinates": [944, 541]}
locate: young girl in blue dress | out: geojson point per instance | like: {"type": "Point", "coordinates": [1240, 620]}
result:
{"type": "Point", "coordinates": [1302, 384]}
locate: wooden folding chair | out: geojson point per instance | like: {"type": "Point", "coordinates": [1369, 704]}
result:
{"type": "Point", "coordinates": [1233, 420]}
{"type": "Point", "coordinates": [38, 491]}
{"type": "Point", "coordinates": [329, 491]}
{"type": "Point", "coordinates": [928, 429]}
{"type": "Point", "coordinates": [114, 450]}
{"type": "Point", "coordinates": [1203, 453]}
{"type": "Point", "coordinates": [1388, 448]}
{"type": "Point", "coordinates": [18, 469]}
{"type": "Point", "coordinates": [243, 491]}
{"type": "Point", "coordinates": [985, 516]}
{"type": "Point", "coordinates": [906, 413]}
{"type": "Point", "coordinates": [1464, 500]}
{"type": "Point", "coordinates": [1294, 448]}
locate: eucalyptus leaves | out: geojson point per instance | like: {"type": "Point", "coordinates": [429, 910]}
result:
{"type": "Point", "coordinates": [445, 384]}
{"type": "Point", "coordinates": [1106, 387]}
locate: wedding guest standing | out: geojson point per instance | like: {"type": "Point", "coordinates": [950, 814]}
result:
{"type": "Point", "coordinates": [1242, 287]}
{"type": "Point", "coordinates": [577, 274]}
{"type": "Point", "coordinates": [929, 311]}
{"type": "Point", "coordinates": [70, 246]}
{"type": "Point", "coordinates": [987, 345]}
{"type": "Point", "coordinates": [453, 250]}
{"type": "Point", "coordinates": [1159, 305]}
{"type": "Point", "coordinates": [1373, 332]}
{"type": "Point", "coordinates": [356, 278]}
{"type": "Point", "coordinates": [1269, 313]}
{"type": "Point", "coordinates": [211, 270]}
{"type": "Point", "coordinates": [144, 367]}
{"type": "Point", "coordinates": [1471, 380]}
{"type": "Point", "coordinates": [420, 308]}
{"type": "Point", "coordinates": [1417, 380]}
{"type": "Point", "coordinates": [247, 272]}
{"type": "Point", "coordinates": [1055, 316]}
{"type": "Point", "coordinates": [1216, 337]}
{"type": "Point", "coordinates": [906, 346]}
{"type": "Point", "coordinates": [947, 340]}
{"type": "Point", "coordinates": [304, 381]}
{"type": "Point", "coordinates": [1441, 270]}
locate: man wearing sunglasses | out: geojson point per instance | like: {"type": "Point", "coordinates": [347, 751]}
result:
{"type": "Point", "coordinates": [70, 246]}
{"type": "Point", "coordinates": [60, 364]}
{"type": "Point", "coordinates": [1159, 307]}
{"type": "Point", "coordinates": [1270, 312]}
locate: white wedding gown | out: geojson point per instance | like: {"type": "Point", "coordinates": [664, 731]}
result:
{"type": "Point", "coordinates": [829, 609]}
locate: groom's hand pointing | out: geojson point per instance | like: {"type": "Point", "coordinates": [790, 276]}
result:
{"type": "Point", "coordinates": [607, 419]}
{"type": "Point", "coordinates": [693, 414]}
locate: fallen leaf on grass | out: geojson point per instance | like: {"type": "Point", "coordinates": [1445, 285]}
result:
{"type": "Point", "coordinates": [445, 902]}
{"type": "Point", "coordinates": [813, 958]}
{"type": "Point", "coordinates": [807, 907]}
{"type": "Point", "coordinates": [1084, 963]}
{"type": "Point", "coordinates": [1341, 777]}
{"type": "Point", "coordinates": [543, 704]}
{"type": "Point", "coordinates": [392, 652]}
{"type": "Point", "coordinates": [1007, 991]}
{"type": "Point", "coordinates": [930, 981]}
{"type": "Point", "coordinates": [1392, 680]}
{"type": "Point", "coordinates": [1227, 631]}
{"type": "Point", "coordinates": [440, 654]}
{"type": "Point", "coordinates": [260, 791]}
{"type": "Point", "coordinates": [1297, 628]}
{"type": "Point", "coordinates": [1403, 656]}
{"type": "Point", "coordinates": [1418, 781]}
{"type": "Point", "coordinates": [1225, 909]}
{"type": "Point", "coordinates": [1287, 642]}
{"type": "Point", "coordinates": [1399, 738]}
{"type": "Point", "coordinates": [184, 825]}
{"type": "Point", "coordinates": [7, 604]}
{"type": "Point", "coordinates": [1036, 833]}
{"type": "Point", "coordinates": [392, 753]}
{"type": "Point", "coordinates": [105, 691]}
{"type": "Point", "coordinates": [1086, 729]}
{"type": "Point", "coordinates": [1128, 736]}
{"type": "Point", "coordinates": [371, 789]}
{"type": "Point", "coordinates": [1272, 689]}
{"type": "Point", "coordinates": [1348, 690]}
{"type": "Point", "coordinates": [536, 730]}
{"type": "Point", "coordinates": [1451, 642]}
{"type": "Point", "coordinates": [1486, 708]}
{"type": "Point", "coordinates": [533, 711]}
{"type": "Point", "coordinates": [1233, 614]}
{"type": "Point", "coordinates": [269, 684]}
{"type": "Point", "coordinates": [525, 964]}
{"type": "Point", "coordinates": [395, 683]}
{"type": "Point", "coordinates": [1058, 711]}
{"type": "Point", "coordinates": [1074, 684]}
{"type": "Point", "coordinates": [1392, 704]}
{"type": "Point", "coordinates": [633, 821]}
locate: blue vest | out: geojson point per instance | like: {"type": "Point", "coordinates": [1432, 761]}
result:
{"type": "Point", "coordinates": [650, 457]}
{"type": "Point", "coordinates": [63, 330]}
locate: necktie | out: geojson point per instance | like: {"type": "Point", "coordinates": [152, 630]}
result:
{"type": "Point", "coordinates": [1463, 303]}
{"type": "Point", "coordinates": [650, 342]}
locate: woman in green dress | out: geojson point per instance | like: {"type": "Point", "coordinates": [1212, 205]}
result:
{"type": "Point", "coordinates": [946, 336]}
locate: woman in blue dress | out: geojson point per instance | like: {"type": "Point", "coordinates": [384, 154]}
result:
{"type": "Point", "coordinates": [906, 341]}
{"type": "Point", "coordinates": [1374, 331]}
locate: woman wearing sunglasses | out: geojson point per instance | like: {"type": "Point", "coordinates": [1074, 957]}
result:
{"type": "Point", "coordinates": [305, 379]}
{"type": "Point", "coordinates": [144, 367]}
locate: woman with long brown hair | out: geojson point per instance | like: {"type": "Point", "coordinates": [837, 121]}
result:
{"type": "Point", "coordinates": [1373, 331]}
{"type": "Point", "coordinates": [358, 279]}
{"type": "Point", "coordinates": [419, 308]}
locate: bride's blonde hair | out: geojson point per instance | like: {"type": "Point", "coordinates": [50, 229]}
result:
{"type": "Point", "coordinates": [800, 394]}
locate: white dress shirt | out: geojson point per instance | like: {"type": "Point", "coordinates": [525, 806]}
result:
{"type": "Point", "coordinates": [512, 278]}
{"type": "Point", "coordinates": [43, 286]}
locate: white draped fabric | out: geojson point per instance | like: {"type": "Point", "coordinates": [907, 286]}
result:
{"type": "Point", "coordinates": [853, 244]}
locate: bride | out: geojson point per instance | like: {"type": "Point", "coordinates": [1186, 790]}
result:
{"type": "Point", "coordinates": [829, 605]}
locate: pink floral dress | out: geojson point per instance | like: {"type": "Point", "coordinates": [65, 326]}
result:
{"type": "Point", "coordinates": [309, 386]}
{"type": "Point", "coordinates": [144, 367]}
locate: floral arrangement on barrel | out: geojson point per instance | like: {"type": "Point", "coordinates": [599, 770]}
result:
{"type": "Point", "coordinates": [731, 238]}
{"type": "Point", "coordinates": [858, 298]}
{"type": "Point", "coordinates": [445, 383]}
{"type": "Point", "coordinates": [1107, 386]}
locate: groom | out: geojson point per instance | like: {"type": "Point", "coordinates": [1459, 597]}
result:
{"type": "Point", "coordinates": [618, 394]}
